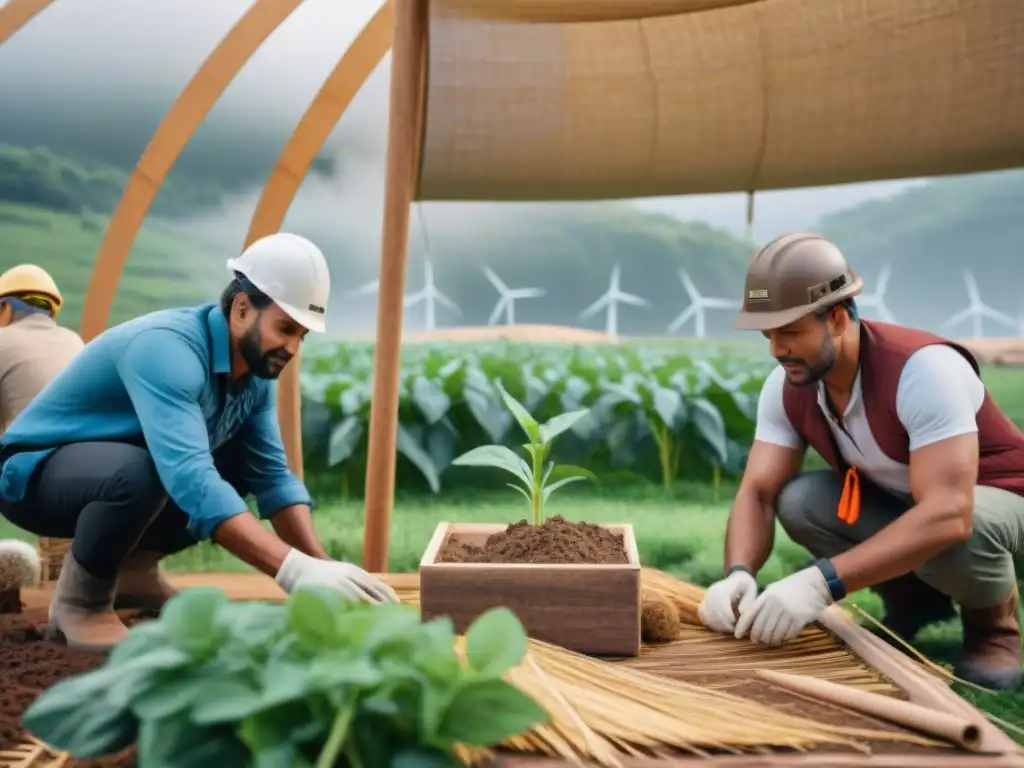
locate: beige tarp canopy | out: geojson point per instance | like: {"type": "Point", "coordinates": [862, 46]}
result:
{"type": "Point", "coordinates": [750, 95]}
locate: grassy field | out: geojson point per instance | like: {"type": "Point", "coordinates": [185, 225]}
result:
{"type": "Point", "coordinates": [163, 269]}
{"type": "Point", "coordinates": [682, 537]}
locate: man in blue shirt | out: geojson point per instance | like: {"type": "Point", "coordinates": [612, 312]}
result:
{"type": "Point", "coordinates": [150, 439]}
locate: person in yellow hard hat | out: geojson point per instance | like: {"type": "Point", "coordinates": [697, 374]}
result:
{"type": "Point", "coordinates": [33, 348]}
{"type": "Point", "coordinates": [923, 500]}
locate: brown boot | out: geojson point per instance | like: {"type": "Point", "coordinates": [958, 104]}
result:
{"type": "Point", "coordinates": [911, 605]}
{"type": "Point", "coordinates": [991, 648]}
{"type": "Point", "coordinates": [141, 585]}
{"type": "Point", "coordinates": [82, 611]}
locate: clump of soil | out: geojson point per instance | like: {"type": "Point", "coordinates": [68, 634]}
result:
{"type": "Point", "coordinates": [556, 541]}
{"type": "Point", "coordinates": [29, 664]}
{"type": "Point", "coordinates": [10, 600]}
{"type": "Point", "coordinates": [659, 620]}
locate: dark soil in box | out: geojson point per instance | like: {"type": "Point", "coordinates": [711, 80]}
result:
{"type": "Point", "coordinates": [555, 541]}
{"type": "Point", "coordinates": [29, 664]}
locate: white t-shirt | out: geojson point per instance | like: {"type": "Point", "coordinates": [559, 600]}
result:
{"type": "Point", "coordinates": [938, 397]}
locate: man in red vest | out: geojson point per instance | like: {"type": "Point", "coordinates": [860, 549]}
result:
{"type": "Point", "coordinates": [924, 500]}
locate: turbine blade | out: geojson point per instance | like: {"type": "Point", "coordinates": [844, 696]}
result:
{"type": "Point", "coordinates": [596, 307]}
{"type": "Point", "coordinates": [445, 301]}
{"type": "Point", "coordinates": [629, 298]}
{"type": "Point", "coordinates": [496, 313]}
{"type": "Point", "coordinates": [681, 319]}
{"type": "Point", "coordinates": [496, 281]}
{"type": "Point", "coordinates": [688, 286]}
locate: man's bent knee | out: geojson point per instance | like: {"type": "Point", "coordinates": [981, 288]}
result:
{"type": "Point", "coordinates": [807, 501]}
{"type": "Point", "coordinates": [980, 572]}
{"type": "Point", "coordinates": [134, 476]}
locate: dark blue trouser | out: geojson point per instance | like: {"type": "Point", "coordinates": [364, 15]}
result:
{"type": "Point", "coordinates": [108, 498]}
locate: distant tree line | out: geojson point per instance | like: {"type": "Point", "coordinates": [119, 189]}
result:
{"type": "Point", "coordinates": [40, 177]}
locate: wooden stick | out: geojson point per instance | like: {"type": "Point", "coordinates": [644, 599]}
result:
{"type": "Point", "coordinates": [16, 14]}
{"type": "Point", "coordinates": [405, 123]}
{"type": "Point", "coordinates": [958, 730]}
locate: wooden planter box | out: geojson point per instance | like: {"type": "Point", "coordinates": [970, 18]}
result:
{"type": "Point", "coordinates": [593, 609]}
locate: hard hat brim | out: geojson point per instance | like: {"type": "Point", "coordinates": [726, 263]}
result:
{"type": "Point", "coordinates": [307, 318]}
{"type": "Point", "coordinates": [768, 321]}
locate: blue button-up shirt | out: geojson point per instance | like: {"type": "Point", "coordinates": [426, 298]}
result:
{"type": "Point", "coordinates": [163, 377]}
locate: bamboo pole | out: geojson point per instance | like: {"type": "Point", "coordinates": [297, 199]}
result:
{"type": "Point", "coordinates": [408, 67]}
{"type": "Point", "coordinates": [952, 728]}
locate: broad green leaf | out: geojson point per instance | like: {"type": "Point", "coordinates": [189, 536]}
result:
{"type": "Point", "coordinates": [344, 440]}
{"type": "Point", "coordinates": [495, 642]}
{"type": "Point", "coordinates": [487, 711]}
{"type": "Point", "coordinates": [548, 490]}
{"type": "Point", "coordinates": [442, 439]}
{"type": "Point", "coordinates": [411, 448]}
{"type": "Point", "coordinates": [559, 424]}
{"type": "Point", "coordinates": [488, 411]}
{"type": "Point", "coordinates": [430, 399]}
{"type": "Point", "coordinates": [74, 716]}
{"type": "Point", "coordinates": [669, 406]}
{"type": "Point", "coordinates": [313, 617]}
{"type": "Point", "coordinates": [224, 700]}
{"type": "Point", "coordinates": [190, 619]}
{"type": "Point", "coordinates": [497, 456]}
{"type": "Point", "coordinates": [526, 421]}
{"type": "Point", "coordinates": [177, 743]}
{"type": "Point", "coordinates": [354, 399]}
{"type": "Point", "coordinates": [709, 425]}
{"type": "Point", "coordinates": [560, 471]}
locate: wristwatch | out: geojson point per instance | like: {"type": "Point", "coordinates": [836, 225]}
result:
{"type": "Point", "coordinates": [836, 587]}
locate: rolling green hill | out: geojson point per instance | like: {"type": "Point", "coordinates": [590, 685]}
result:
{"type": "Point", "coordinates": [163, 269]}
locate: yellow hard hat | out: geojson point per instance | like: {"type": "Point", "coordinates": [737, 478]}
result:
{"type": "Point", "coordinates": [30, 279]}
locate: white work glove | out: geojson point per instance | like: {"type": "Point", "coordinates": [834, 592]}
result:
{"type": "Point", "coordinates": [301, 570]}
{"type": "Point", "coordinates": [716, 609]}
{"type": "Point", "coordinates": [785, 608]}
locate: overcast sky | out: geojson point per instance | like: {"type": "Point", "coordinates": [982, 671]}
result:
{"type": "Point", "coordinates": [83, 66]}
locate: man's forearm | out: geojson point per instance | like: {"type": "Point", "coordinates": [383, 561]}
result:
{"type": "Point", "coordinates": [248, 540]}
{"type": "Point", "coordinates": [750, 534]}
{"type": "Point", "coordinates": [904, 545]}
{"type": "Point", "coordinates": [294, 525]}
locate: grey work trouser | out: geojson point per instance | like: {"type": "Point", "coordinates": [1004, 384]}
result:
{"type": "Point", "coordinates": [977, 573]}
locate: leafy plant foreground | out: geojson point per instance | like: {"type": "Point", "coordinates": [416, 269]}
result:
{"type": "Point", "coordinates": [314, 682]}
{"type": "Point", "coordinates": [656, 411]}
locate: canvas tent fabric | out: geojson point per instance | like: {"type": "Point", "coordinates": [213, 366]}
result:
{"type": "Point", "coordinates": [770, 94]}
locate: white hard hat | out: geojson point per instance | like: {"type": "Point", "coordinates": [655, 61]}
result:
{"type": "Point", "coordinates": [291, 271]}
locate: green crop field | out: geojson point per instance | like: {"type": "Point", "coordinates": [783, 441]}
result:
{"type": "Point", "coordinates": [669, 428]}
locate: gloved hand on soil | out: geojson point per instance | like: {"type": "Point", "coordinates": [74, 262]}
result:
{"type": "Point", "coordinates": [301, 570]}
{"type": "Point", "coordinates": [785, 608]}
{"type": "Point", "coordinates": [716, 609]}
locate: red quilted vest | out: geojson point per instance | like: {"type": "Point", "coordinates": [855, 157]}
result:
{"type": "Point", "coordinates": [884, 350]}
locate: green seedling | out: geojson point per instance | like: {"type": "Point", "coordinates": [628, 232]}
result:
{"type": "Point", "coordinates": [315, 682]}
{"type": "Point", "coordinates": [538, 478]}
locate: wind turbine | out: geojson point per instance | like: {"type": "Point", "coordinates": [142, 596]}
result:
{"type": "Point", "coordinates": [429, 295]}
{"type": "Point", "coordinates": [977, 310]}
{"type": "Point", "coordinates": [697, 306]}
{"type": "Point", "coordinates": [876, 300]}
{"type": "Point", "coordinates": [610, 301]}
{"type": "Point", "coordinates": [508, 298]}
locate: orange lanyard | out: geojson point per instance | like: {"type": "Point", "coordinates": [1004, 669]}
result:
{"type": "Point", "coordinates": [849, 502]}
